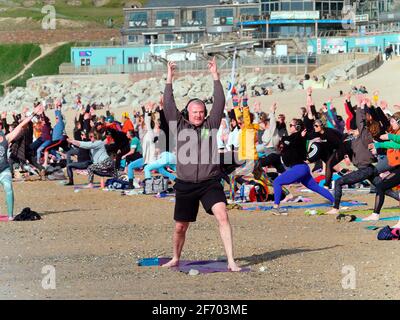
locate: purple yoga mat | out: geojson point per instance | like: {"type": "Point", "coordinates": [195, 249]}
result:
{"type": "Point", "coordinates": [206, 266]}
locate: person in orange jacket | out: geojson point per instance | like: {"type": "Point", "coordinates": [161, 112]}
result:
{"type": "Point", "coordinates": [127, 123]}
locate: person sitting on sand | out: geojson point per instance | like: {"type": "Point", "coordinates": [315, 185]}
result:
{"type": "Point", "coordinates": [102, 163]}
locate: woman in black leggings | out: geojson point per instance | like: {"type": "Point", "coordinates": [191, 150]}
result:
{"type": "Point", "coordinates": [391, 178]}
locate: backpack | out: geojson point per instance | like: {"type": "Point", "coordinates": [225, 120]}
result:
{"type": "Point", "coordinates": [393, 156]}
{"type": "Point", "coordinates": [155, 185]}
{"type": "Point", "coordinates": [387, 233]}
{"type": "Point", "coordinates": [258, 193]}
{"type": "Point", "coordinates": [27, 215]}
{"type": "Point", "coordinates": [117, 184]}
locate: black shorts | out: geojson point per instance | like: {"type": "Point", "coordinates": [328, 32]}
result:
{"type": "Point", "coordinates": [188, 195]}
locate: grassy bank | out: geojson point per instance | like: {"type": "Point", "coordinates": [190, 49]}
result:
{"type": "Point", "coordinates": [13, 58]}
{"type": "Point", "coordinates": [48, 65]}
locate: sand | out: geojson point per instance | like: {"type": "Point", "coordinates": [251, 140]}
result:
{"type": "Point", "coordinates": [93, 239]}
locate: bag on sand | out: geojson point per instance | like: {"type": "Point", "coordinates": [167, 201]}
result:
{"type": "Point", "coordinates": [155, 185]}
{"type": "Point", "coordinates": [27, 215]}
{"type": "Point", "coordinates": [117, 184]}
{"type": "Point", "coordinates": [387, 233]}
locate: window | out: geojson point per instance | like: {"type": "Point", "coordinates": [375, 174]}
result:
{"type": "Point", "coordinates": [138, 19]}
{"type": "Point", "coordinates": [169, 37]}
{"type": "Point", "coordinates": [133, 38]}
{"type": "Point", "coordinates": [165, 19]}
{"type": "Point", "coordinates": [138, 16]}
{"type": "Point", "coordinates": [165, 15]}
{"type": "Point", "coordinates": [111, 61]}
{"type": "Point", "coordinates": [133, 60]}
{"type": "Point", "coordinates": [193, 17]}
{"type": "Point", "coordinates": [265, 8]}
{"type": "Point", "coordinates": [285, 6]}
{"type": "Point", "coordinates": [249, 11]}
{"type": "Point", "coordinates": [219, 13]}
{"type": "Point", "coordinates": [308, 6]}
{"type": "Point", "coordinates": [297, 6]}
{"type": "Point", "coordinates": [223, 17]}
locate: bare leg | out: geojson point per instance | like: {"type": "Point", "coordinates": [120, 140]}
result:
{"type": "Point", "coordinates": [179, 241]}
{"type": "Point", "coordinates": [225, 230]}
{"type": "Point", "coordinates": [333, 211]}
{"type": "Point", "coordinates": [397, 225]}
{"type": "Point", "coordinates": [289, 197]}
{"type": "Point", "coordinates": [45, 157]}
{"type": "Point", "coordinates": [373, 217]}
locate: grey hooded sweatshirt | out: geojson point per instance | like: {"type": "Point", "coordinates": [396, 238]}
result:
{"type": "Point", "coordinates": [197, 152]}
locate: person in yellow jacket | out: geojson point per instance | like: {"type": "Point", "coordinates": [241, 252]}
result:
{"type": "Point", "coordinates": [247, 152]}
{"type": "Point", "coordinates": [248, 132]}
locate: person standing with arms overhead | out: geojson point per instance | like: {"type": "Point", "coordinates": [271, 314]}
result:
{"type": "Point", "coordinates": [198, 179]}
{"type": "Point", "coordinates": [5, 170]}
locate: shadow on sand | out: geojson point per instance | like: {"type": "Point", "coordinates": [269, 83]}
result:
{"type": "Point", "coordinates": [268, 256]}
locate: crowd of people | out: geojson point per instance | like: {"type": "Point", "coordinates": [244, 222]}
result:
{"type": "Point", "coordinates": [249, 149]}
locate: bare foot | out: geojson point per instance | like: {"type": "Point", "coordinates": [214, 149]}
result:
{"type": "Point", "coordinates": [372, 217]}
{"type": "Point", "coordinates": [333, 211]}
{"type": "Point", "coordinates": [171, 263]}
{"type": "Point", "coordinates": [233, 267]}
{"type": "Point", "coordinates": [288, 198]}
{"type": "Point", "coordinates": [89, 186]}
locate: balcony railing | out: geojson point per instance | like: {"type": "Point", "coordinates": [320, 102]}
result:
{"type": "Point", "coordinates": [190, 66]}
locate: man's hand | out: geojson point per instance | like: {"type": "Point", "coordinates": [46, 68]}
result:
{"type": "Point", "coordinates": [348, 96]}
{"type": "Point", "coordinates": [309, 91]}
{"type": "Point", "coordinates": [38, 109]}
{"type": "Point", "coordinates": [383, 104]}
{"type": "Point", "coordinates": [171, 67]}
{"type": "Point", "coordinates": [274, 107]}
{"type": "Point", "coordinates": [384, 137]}
{"type": "Point", "coordinates": [347, 160]}
{"type": "Point", "coordinates": [360, 99]}
{"type": "Point", "coordinates": [303, 133]}
{"type": "Point", "coordinates": [212, 66]}
{"type": "Point", "coordinates": [383, 175]}
{"type": "Point", "coordinates": [161, 102]}
{"type": "Point", "coordinates": [367, 101]}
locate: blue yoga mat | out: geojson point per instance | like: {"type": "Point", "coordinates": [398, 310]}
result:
{"type": "Point", "coordinates": [203, 266]}
{"type": "Point", "coordinates": [395, 218]}
{"type": "Point", "coordinates": [308, 206]}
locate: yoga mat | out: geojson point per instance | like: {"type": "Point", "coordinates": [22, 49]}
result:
{"type": "Point", "coordinates": [245, 204]}
{"type": "Point", "coordinates": [359, 190]}
{"type": "Point", "coordinates": [203, 266]}
{"type": "Point", "coordinates": [309, 206]}
{"type": "Point", "coordinates": [369, 211]}
{"type": "Point", "coordinates": [83, 187]}
{"type": "Point", "coordinates": [4, 218]}
{"type": "Point", "coordinates": [394, 218]}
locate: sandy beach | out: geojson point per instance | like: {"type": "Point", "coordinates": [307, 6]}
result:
{"type": "Point", "coordinates": [94, 238]}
